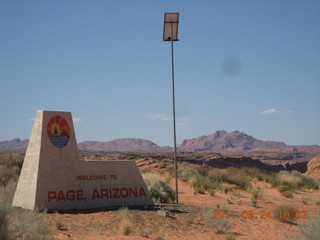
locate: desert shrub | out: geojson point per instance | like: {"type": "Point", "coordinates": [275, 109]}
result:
{"type": "Point", "coordinates": [145, 170]}
{"type": "Point", "coordinates": [283, 188]}
{"type": "Point", "coordinates": [150, 176]}
{"type": "Point", "coordinates": [238, 177]}
{"type": "Point", "coordinates": [309, 182]}
{"type": "Point", "coordinates": [12, 160]}
{"type": "Point", "coordinates": [230, 237]}
{"type": "Point", "coordinates": [271, 178]}
{"type": "Point", "coordinates": [199, 189]}
{"type": "Point", "coordinates": [287, 194]}
{"type": "Point", "coordinates": [7, 193]}
{"type": "Point", "coordinates": [4, 233]}
{"type": "Point", "coordinates": [171, 171]}
{"type": "Point", "coordinates": [7, 174]}
{"type": "Point", "coordinates": [255, 194]}
{"type": "Point", "coordinates": [216, 176]}
{"type": "Point", "coordinates": [158, 186]}
{"type": "Point", "coordinates": [29, 225]}
{"type": "Point", "coordinates": [161, 165]}
{"type": "Point", "coordinates": [310, 229]}
{"type": "Point", "coordinates": [284, 213]}
{"type": "Point", "coordinates": [199, 181]}
{"type": "Point", "coordinates": [185, 172]}
{"type": "Point", "coordinates": [254, 172]}
{"type": "Point", "coordinates": [123, 212]}
{"type": "Point", "coordinates": [294, 180]}
{"type": "Point", "coordinates": [211, 192]}
{"type": "Point", "coordinates": [217, 225]}
{"type": "Point", "coordinates": [10, 167]}
{"type": "Point", "coordinates": [160, 191]}
{"type": "Point", "coordinates": [125, 224]}
{"type": "Point", "coordinates": [225, 189]}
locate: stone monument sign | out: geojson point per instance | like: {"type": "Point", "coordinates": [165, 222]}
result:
{"type": "Point", "coordinates": [53, 177]}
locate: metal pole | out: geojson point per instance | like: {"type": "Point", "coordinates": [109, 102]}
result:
{"type": "Point", "coordinates": [174, 118]}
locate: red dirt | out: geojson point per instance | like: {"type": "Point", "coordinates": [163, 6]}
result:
{"type": "Point", "coordinates": [191, 224]}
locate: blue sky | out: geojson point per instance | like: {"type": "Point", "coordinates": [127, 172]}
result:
{"type": "Point", "coordinates": [250, 65]}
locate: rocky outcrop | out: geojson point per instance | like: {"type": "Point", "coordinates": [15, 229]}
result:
{"type": "Point", "coordinates": [225, 162]}
{"type": "Point", "coordinates": [314, 168]}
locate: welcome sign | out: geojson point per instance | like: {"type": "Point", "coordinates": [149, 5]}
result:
{"type": "Point", "coordinates": [53, 177]}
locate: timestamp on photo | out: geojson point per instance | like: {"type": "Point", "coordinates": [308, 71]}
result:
{"type": "Point", "coordinates": [262, 214]}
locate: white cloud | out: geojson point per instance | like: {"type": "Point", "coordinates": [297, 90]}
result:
{"type": "Point", "coordinates": [31, 119]}
{"type": "Point", "coordinates": [159, 116]}
{"type": "Point", "coordinates": [274, 111]}
{"type": "Point", "coordinates": [77, 120]}
{"type": "Point", "coordinates": [181, 121]}
{"type": "Point", "coordinates": [269, 111]}
{"type": "Point", "coordinates": [184, 118]}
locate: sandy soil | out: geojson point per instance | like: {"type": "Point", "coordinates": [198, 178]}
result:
{"type": "Point", "coordinates": [188, 222]}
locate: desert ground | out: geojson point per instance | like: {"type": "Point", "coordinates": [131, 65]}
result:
{"type": "Point", "coordinates": [189, 220]}
{"type": "Point", "coordinates": [228, 212]}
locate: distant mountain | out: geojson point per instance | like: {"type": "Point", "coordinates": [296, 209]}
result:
{"type": "Point", "coordinates": [122, 145]}
{"type": "Point", "coordinates": [221, 141]}
{"type": "Point", "coordinates": [14, 145]}
{"type": "Point", "coordinates": [239, 142]}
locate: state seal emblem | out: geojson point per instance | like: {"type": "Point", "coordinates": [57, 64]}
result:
{"type": "Point", "coordinates": [58, 131]}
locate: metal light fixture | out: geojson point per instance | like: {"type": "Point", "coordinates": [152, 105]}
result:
{"type": "Point", "coordinates": [170, 33]}
{"type": "Point", "coordinates": [170, 30]}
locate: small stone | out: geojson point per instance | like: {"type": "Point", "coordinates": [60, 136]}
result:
{"type": "Point", "coordinates": [162, 213]}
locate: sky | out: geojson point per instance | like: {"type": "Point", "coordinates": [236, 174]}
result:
{"type": "Point", "coordinates": [250, 65]}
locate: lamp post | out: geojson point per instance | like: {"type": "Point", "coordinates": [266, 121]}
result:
{"type": "Point", "coordinates": [170, 34]}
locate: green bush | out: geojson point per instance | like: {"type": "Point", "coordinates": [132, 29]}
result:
{"type": "Point", "coordinates": [199, 181]}
{"type": "Point", "coordinates": [283, 188]}
{"type": "Point", "coordinates": [287, 194]}
{"type": "Point", "coordinates": [216, 175]}
{"type": "Point", "coordinates": [253, 172]}
{"type": "Point", "coordinates": [161, 165]}
{"type": "Point", "coordinates": [185, 172]}
{"type": "Point", "coordinates": [160, 191]}
{"type": "Point", "coordinates": [284, 213]}
{"type": "Point", "coordinates": [238, 177]}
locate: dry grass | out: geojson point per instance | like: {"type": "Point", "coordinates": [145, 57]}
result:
{"type": "Point", "coordinates": [125, 226]}
{"type": "Point", "coordinates": [28, 224]}
{"type": "Point", "coordinates": [126, 223]}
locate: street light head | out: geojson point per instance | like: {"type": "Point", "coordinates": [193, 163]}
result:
{"type": "Point", "coordinates": [170, 30]}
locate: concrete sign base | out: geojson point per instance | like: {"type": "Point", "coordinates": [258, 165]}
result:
{"type": "Point", "coordinates": [53, 177]}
